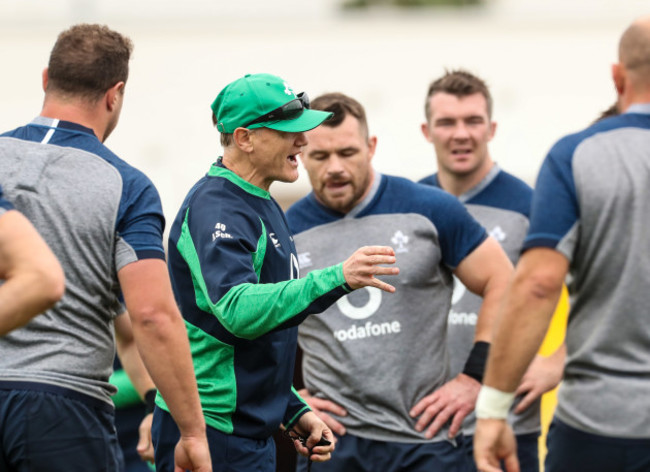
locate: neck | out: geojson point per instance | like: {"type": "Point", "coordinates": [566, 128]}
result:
{"type": "Point", "coordinates": [77, 111]}
{"type": "Point", "coordinates": [459, 184]}
{"type": "Point", "coordinates": [240, 164]}
{"type": "Point", "coordinates": [627, 100]}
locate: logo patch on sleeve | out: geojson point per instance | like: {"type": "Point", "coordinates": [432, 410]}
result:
{"type": "Point", "coordinates": [220, 232]}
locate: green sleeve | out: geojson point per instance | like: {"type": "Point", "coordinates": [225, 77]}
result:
{"type": "Point", "coordinates": [251, 310]}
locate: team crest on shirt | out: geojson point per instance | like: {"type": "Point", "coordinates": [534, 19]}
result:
{"type": "Point", "coordinates": [400, 240]}
{"type": "Point", "coordinates": [220, 232]}
{"type": "Point", "coordinates": [498, 233]}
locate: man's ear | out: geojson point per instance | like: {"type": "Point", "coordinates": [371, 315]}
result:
{"type": "Point", "coordinates": [425, 131]}
{"type": "Point", "coordinates": [114, 95]}
{"type": "Point", "coordinates": [493, 129]}
{"type": "Point", "coordinates": [45, 78]}
{"type": "Point", "coordinates": [372, 146]}
{"type": "Point", "coordinates": [243, 138]}
{"type": "Point", "coordinates": [619, 77]}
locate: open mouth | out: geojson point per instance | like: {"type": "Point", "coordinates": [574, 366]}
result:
{"type": "Point", "coordinates": [292, 159]}
{"type": "Point", "coordinates": [336, 185]}
{"type": "Point", "coordinates": [458, 152]}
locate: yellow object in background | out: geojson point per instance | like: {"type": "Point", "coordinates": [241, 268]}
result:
{"type": "Point", "coordinates": [553, 340]}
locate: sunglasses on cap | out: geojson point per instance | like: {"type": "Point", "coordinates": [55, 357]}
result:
{"type": "Point", "coordinates": [288, 111]}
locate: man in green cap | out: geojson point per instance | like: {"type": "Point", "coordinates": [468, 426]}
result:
{"type": "Point", "coordinates": [234, 272]}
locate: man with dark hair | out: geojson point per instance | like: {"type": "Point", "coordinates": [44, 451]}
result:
{"type": "Point", "coordinates": [235, 276]}
{"type": "Point", "coordinates": [591, 218]}
{"type": "Point", "coordinates": [103, 220]}
{"type": "Point", "coordinates": [32, 278]}
{"type": "Point", "coordinates": [373, 364]}
{"type": "Point", "coordinates": [459, 124]}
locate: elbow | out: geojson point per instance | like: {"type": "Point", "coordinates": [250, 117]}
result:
{"type": "Point", "coordinates": [542, 284]}
{"type": "Point", "coordinates": [145, 316]}
{"type": "Point", "coordinates": [52, 285]}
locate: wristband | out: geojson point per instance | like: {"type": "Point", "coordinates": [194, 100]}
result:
{"type": "Point", "coordinates": [475, 365]}
{"type": "Point", "coordinates": [493, 403]}
{"type": "Point", "coordinates": [150, 401]}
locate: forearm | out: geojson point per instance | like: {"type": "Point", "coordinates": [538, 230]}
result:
{"type": "Point", "coordinates": [251, 310]}
{"type": "Point", "coordinates": [493, 296]}
{"type": "Point", "coordinates": [24, 296]}
{"type": "Point", "coordinates": [134, 367]}
{"type": "Point", "coordinates": [519, 333]}
{"type": "Point", "coordinates": [33, 277]}
{"type": "Point", "coordinates": [161, 337]}
{"type": "Point", "coordinates": [164, 347]}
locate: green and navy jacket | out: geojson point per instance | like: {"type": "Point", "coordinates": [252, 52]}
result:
{"type": "Point", "coordinates": [234, 272]}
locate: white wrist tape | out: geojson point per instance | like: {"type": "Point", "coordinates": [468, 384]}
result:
{"type": "Point", "coordinates": [493, 403]}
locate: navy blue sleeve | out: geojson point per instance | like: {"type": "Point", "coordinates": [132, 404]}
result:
{"type": "Point", "coordinates": [458, 232]}
{"type": "Point", "coordinates": [430, 180]}
{"type": "Point", "coordinates": [295, 409]}
{"type": "Point", "coordinates": [226, 239]}
{"type": "Point", "coordinates": [555, 205]}
{"type": "Point", "coordinates": [140, 221]}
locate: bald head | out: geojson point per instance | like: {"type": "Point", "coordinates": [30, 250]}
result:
{"type": "Point", "coordinates": [634, 47]}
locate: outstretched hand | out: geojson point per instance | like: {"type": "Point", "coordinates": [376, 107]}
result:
{"type": "Point", "coordinates": [362, 267]}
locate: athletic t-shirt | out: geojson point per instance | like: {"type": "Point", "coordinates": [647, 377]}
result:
{"type": "Point", "coordinates": [97, 214]}
{"type": "Point", "coordinates": [377, 354]}
{"type": "Point", "coordinates": [592, 204]}
{"type": "Point", "coordinates": [501, 203]}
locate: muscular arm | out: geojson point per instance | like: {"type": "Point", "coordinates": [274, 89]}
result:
{"type": "Point", "coordinates": [486, 272]}
{"type": "Point", "coordinates": [34, 280]}
{"type": "Point", "coordinates": [130, 359]}
{"type": "Point", "coordinates": [132, 364]}
{"type": "Point", "coordinates": [529, 306]}
{"type": "Point", "coordinates": [528, 309]}
{"type": "Point", "coordinates": [161, 339]}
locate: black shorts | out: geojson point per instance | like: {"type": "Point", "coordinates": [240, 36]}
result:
{"type": "Point", "coordinates": [55, 429]}
{"type": "Point", "coordinates": [571, 450]}
{"type": "Point", "coordinates": [229, 453]}
{"type": "Point", "coordinates": [527, 452]}
{"type": "Point", "coordinates": [356, 454]}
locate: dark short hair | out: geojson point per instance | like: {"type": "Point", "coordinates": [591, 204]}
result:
{"type": "Point", "coordinates": [341, 105]}
{"type": "Point", "coordinates": [459, 83]}
{"type": "Point", "coordinates": [87, 60]}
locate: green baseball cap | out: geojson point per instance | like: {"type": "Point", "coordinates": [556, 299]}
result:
{"type": "Point", "coordinates": [264, 101]}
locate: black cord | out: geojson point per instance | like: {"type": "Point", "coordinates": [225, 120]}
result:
{"type": "Point", "coordinates": [293, 435]}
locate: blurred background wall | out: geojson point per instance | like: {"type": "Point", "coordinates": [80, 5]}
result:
{"type": "Point", "coordinates": [547, 62]}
